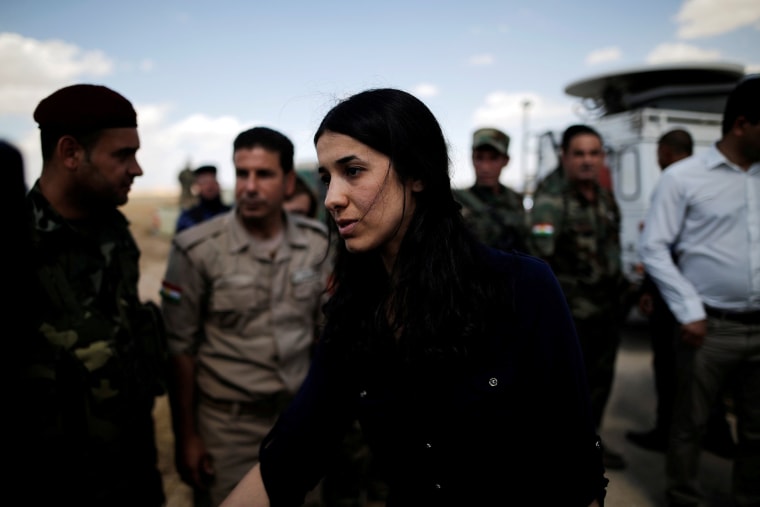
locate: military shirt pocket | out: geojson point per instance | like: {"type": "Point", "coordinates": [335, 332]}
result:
{"type": "Point", "coordinates": [306, 283]}
{"type": "Point", "coordinates": [237, 300]}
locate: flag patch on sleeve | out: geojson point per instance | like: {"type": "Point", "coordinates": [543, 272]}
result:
{"type": "Point", "coordinates": [170, 292]}
{"type": "Point", "coordinates": [542, 230]}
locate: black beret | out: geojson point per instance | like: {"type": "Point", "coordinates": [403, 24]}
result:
{"type": "Point", "coordinates": [205, 169]}
{"type": "Point", "coordinates": [85, 107]}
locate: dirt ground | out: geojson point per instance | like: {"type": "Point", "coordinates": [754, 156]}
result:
{"type": "Point", "coordinates": [142, 212]}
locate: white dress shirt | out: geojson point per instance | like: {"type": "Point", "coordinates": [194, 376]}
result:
{"type": "Point", "coordinates": [706, 210]}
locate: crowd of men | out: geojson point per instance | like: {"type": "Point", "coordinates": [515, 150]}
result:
{"type": "Point", "coordinates": [245, 282]}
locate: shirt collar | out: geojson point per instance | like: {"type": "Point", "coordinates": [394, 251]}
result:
{"type": "Point", "coordinates": [240, 238]}
{"type": "Point", "coordinates": [715, 159]}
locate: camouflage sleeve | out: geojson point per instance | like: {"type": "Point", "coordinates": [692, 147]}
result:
{"type": "Point", "coordinates": [182, 296]}
{"type": "Point", "coordinates": [545, 223]}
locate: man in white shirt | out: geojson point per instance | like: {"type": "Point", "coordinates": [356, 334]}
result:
{"type": "Point", "coordinates": [706, 210]}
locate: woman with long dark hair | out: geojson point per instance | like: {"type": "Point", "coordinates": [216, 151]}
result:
{"type": "Point", "coordinates": [460, 362]}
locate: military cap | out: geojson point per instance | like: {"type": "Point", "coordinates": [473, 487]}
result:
{"type": "Point", "coordinates": [494, 138]}
{"type": "Point", "coordinates": [205, 169]}
{"type": "Point", "coordinates": [85, 107]}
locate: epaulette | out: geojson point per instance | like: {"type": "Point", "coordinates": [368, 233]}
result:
{"type": "Point", "coordinates": [198, 233]}
{"type": "Point", "coordinates": [311, 223]}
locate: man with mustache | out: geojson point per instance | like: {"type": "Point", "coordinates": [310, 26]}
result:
{"type": "Point", "coordinates": [576, 229]}
{"type": "Point", "coordinates": [241, 299]}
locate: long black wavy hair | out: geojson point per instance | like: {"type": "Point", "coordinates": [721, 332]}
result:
{"type": "Point", "coordinates": [438, 298]}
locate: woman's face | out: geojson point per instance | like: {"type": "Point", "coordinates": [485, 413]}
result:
{"type": "Point", "coordinates": [370, 206]}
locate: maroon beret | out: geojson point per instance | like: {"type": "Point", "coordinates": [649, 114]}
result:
{"type": "Point", "coordinates": [85, 107]}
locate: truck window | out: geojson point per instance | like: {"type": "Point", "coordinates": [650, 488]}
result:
{"type": "Point", "coordinates": [628, 174]}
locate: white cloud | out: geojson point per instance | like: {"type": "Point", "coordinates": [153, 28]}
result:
{"type": "Point", "coordinates": [679, 52]}
{"type": "Point", "coordinates": [507, 111]}
{"type": "Point", "coordinates": [604, 55]}
{"type": "Point", "coordinates": [196, 139]}
{"type": "Point", "coordinates": [31, 69]}
{"type": "Point", "coordinates": [425, 90]}
{"type": "Point", "coordinates": [481, 60]}
{"type": "Point", "coordinates": [704, 18]}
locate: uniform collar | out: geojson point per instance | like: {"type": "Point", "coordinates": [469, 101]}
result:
{"type": "Point", "coordinates": [240, 238]}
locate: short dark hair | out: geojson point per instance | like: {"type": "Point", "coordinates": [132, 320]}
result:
{"type": "Point", "coordinates": [678, 140]}
{"type": "Point", "coordinates": [269, 139]}
{"type": "Point", "coordinates": [744, 100]}
{"type": "Point", "coordinates": [49, 139]}
{"type": "Point", "coordinates": [576, 130]}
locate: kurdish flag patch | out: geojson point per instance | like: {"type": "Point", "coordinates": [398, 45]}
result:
{"type": "Point", "coordinates": [542, 230]}
{"type": "Point", "coordinates": [170, 292]}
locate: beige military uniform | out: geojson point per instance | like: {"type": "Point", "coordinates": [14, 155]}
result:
{"type": "Point", "coordinates": [248, 317]}
{"type": "Point", "coordinates": [248, 312]}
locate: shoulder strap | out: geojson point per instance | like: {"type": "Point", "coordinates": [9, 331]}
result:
{"type": "Point", "coordinates": [191, 236]}
{"type": "Point", "coordinates": [310, 223]}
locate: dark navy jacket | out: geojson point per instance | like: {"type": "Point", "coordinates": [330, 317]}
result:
{"type": "Point", "coordinates": [200, 213]}
{"type": "Point", "coordinates": [510, 425]}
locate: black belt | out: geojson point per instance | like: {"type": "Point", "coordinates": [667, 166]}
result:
{"type": "Point", "coordinates": [752, 317]}
{"type": "Point", "coordinates": [269, 406]}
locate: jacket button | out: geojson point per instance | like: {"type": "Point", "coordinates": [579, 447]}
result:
{"type": "Point", "coordinates": [493, 382]}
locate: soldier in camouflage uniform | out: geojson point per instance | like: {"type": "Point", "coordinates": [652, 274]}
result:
{"type": "Point", "coordinates": [575, 227]}
{"type": "Point", "coordinates": [92, 359]}
{"type": "Point", "coordinates": [494, 212]}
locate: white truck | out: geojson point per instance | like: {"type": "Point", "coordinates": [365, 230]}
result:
{"type": "Point", "coordinates": [631, 109]}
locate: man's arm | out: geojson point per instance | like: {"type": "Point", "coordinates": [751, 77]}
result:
{"type": "Point", "coordinates": [658, 239]}
{"type": "Point", "coordinates": [181, 297]}
{"type": "Point", "coordinates": [192, 460]}
{"type": "Point", "coordinates": [545, 221]}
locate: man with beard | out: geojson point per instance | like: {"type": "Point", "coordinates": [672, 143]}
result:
{"type": "Point", "coordinates": [92, 356]}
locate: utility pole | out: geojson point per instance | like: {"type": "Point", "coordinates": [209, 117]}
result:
{"type": "Point", "coordinates": [527, 179]}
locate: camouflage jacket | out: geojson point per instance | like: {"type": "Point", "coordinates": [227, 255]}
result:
{"type": "Point", "coordinates": [580, 239]}
{"type": "Point", "coordinates": [93, 354]}
{"type": "Point", "coordinates": [553, 182]}
{"type": "Point", "coordinates": [498, 220]}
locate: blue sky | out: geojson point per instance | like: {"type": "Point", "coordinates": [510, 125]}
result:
{"type": "Point", "coordinates": [199, 73]}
